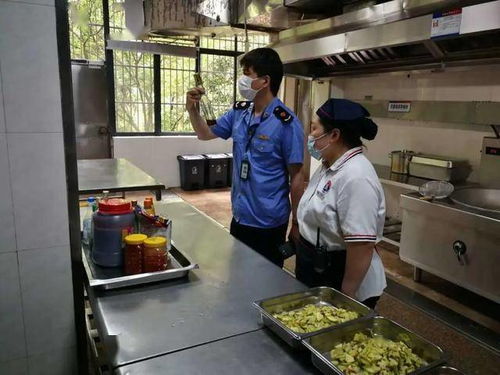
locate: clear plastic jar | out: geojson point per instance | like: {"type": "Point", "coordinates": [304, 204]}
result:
{"type": "Point", "coordinates": [155, 256]}
{"type": "Point", "coordinates": [132, 257]}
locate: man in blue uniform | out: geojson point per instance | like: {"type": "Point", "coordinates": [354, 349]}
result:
{"type": "Point", "coordinates": [268, 152]}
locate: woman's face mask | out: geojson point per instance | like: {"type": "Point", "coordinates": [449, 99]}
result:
{"type": "Point", "coordinates": [315, 153]}
{"type": "Point", "coordinates": [245, 87]}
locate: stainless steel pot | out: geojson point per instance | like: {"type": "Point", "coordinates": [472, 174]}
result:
{"type": "Point", "coordinates": [400, 161]}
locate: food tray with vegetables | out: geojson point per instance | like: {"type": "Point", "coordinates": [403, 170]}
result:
{"type": "Point", "coordinates": [373, 346]}
{"type": "Point", "coordinates": [297, 316]}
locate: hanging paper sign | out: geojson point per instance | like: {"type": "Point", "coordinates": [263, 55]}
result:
{"type": "Point", "coordinates": [446, 23]}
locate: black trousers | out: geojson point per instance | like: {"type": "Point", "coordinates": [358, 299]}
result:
{"type": "Point", "coordinates": [332, 276]}
{"type": "Point", "coordinates": [265, 241]}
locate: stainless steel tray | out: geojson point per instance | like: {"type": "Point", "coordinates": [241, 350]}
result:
{"type": "Point", "coordinates": [293, 301]}
{"type": "Point", "coordinates": [113, 278]}
{"type": "Point", "coordinates": [320, 345]}
{"type": "Point", "coordinates": [444, 370]}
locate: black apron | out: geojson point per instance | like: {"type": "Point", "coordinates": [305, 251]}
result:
{"type": "Point", "coordinates": [315, 266]}
{"type": "Point", "coordinates": [324, 269]}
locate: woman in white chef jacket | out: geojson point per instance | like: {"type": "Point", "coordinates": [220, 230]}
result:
{"type": "Point", "coordinates": [341, 214]}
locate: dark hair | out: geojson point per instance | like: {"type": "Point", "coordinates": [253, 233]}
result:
{"type": "Point", "coordinates": [265, 62]}
{"type": "Point", "coordinates": [352, 131]}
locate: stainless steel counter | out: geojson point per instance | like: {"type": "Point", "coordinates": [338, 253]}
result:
{"type": "Point", "coordinates": [399, 180]}
{"type": "Point", "coordinates": [115, 175]}
{"type": "Point", "coordinates": [213, 303]}
{"type": "Point", "coordinates": [258, 352]}
{"type": "Point", "coordinates": [405, 181]}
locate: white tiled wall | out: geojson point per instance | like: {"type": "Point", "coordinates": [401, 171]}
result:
{"type": "Point", "coordinates": [158, 155]}
{"type": "Point", "coordinates": [29, 69]}
{"type": "Point", "coordinates": [37, 334]}
{"type": "Point", "coordinates": [454, 140]}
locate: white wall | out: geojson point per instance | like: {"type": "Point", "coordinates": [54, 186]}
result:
{"type": "Point", "coordinates": [158, 155]}
{"type": "Point", "coordinates": [397, 135]}
{"type": "Point", "coordinates": [454, 140]}
{"type": "Point", "coordinates": [37, 333]}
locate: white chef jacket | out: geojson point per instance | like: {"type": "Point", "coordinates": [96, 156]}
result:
{"type": "Point", "coordinates": [346, 201]}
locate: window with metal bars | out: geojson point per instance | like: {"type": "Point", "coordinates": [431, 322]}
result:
{"type": "Point", "coordinates": [86, 29]}
{"type": "Point", "coordinates": [218, 79]}
{"type": "Point", "coordinates": [149, 90]}
{"type": "Point", "coordinates": [134, 92]}
{"type": "Point", "coordinates": [176, 79]}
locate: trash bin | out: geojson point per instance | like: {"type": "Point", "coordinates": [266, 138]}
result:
{"type": "Point", "coordinates": [230, 169]}
{"type": "Point", "coordinates": [216, 170]}
{"type": "Point", "coordinates": [192, 171]}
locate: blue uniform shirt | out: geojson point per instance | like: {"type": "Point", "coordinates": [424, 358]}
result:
{"type": "Point", "coordinates": [262, 200]}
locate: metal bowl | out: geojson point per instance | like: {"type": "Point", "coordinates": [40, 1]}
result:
{"type": "Point", "coordinates": [480, 199]}
{"type": "Point", "coordinates": [436, 189]}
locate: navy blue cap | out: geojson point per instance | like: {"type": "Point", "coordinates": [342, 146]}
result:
{"type": "Point", "coordinates": [341, 110]}
{"type": "Point", "coordinates": [342, 113]}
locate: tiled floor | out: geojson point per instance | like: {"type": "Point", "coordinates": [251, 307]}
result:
{"type": "Point", "coordinates": [462, 351]}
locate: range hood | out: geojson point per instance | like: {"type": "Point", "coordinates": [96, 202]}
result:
{"type": "Point", "coordinates": [218, 17]}
{"type": "Point", "coordinates": [391, 41]}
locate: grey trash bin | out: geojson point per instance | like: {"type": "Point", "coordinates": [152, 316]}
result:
{"type": "Point", "coordinates": [216, 170]}
{"type": "Point", "coordinates": [192, 171]}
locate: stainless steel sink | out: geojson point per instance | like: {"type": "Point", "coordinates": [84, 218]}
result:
{"type": "Point", "coordinates": [480, 199]}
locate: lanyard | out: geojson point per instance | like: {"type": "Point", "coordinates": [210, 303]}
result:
{"type": "Point", "coordinates": [252, 129]}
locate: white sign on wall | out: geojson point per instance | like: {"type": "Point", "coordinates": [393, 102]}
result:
{"type": "Point", "coordinates": [446, 23]}
{"type": "Point", "coordinates": [404, 107]}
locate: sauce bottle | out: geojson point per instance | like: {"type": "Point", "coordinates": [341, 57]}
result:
{"type": "Point", "coordinates": [205, 104]}
{"type": "Point", "coordinates": [155, 254]}
{"type": "Point", "coordinates": [133, 254]}
{"type": "Point", "coordinates": [149, 206]}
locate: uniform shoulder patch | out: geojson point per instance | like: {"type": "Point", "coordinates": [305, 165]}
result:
{"type": "Point", "coordinates": [283, 115]}
{"type": "Point", "coordinates": [241, 105]}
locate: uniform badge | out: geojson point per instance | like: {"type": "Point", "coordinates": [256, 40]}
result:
{"type": "Point", "coordinates": [282, 115]}
{"type": "Point", "coordinates": [241, 105]}
{"type": "Point", "coordinates": [263, 137]}
{"type": "Point", "coordinates": [327, 187]}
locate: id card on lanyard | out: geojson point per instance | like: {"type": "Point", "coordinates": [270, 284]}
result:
{"type": "Point", "coordinates": [244, 169]}
{"type": "Point", "coordinates": [245, 163]}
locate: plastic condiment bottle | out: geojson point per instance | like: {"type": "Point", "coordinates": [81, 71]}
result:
{"type": "Point", "coordinates": [148, 206]}
{"type": "Point", "coordinates": [105, 195]}
{"type": "Point", "coordinates": [155, 254]}
{"type": "Point", "coordinates": [132, 261]}
{"type": "Point", "coordinates": [112, 223]}
{"type": "Point", "coordinates": [87, 221]}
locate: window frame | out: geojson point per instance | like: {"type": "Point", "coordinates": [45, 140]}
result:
{"type": "Point", "coordinates": [157, 104]}
{"type": "Point", "coordinates": [157, 100]}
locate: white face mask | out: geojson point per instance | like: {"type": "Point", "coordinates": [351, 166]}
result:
{"type": "Point", "coordinates": [245, 87]}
